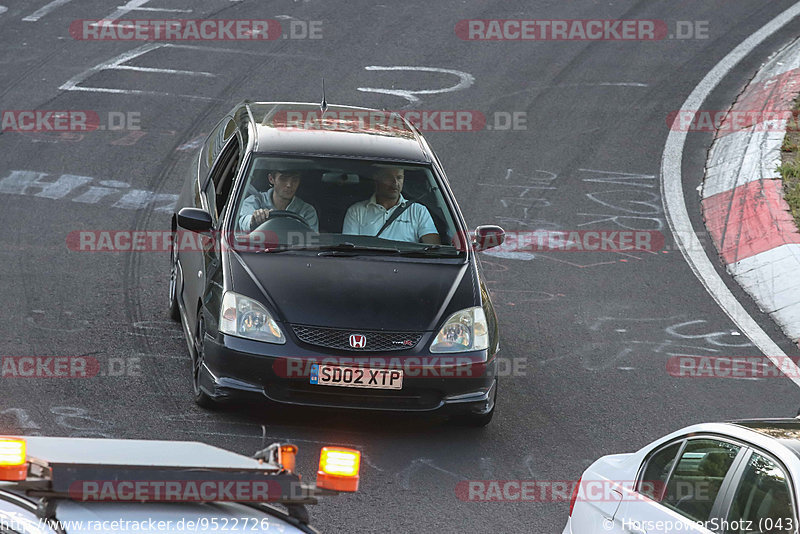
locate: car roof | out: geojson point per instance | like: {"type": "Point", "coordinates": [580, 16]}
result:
{"type": "Point", "coordinates": [345, 131]}
{"type": "Point", "coordinates": [785, 431]}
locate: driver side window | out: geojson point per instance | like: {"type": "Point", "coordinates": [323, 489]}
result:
{"type": "Point", "coordinates": [218, 188]}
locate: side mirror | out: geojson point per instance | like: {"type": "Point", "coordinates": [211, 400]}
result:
{"type": "Point", "coordinates": [195, 219]}
{"type": "Point", "coordinates": [487, 237]}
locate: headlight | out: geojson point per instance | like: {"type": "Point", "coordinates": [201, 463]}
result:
{"type": "Point", "coordinates": [464, 331]}
{"type": "Point", "coordinates": [244, 317]}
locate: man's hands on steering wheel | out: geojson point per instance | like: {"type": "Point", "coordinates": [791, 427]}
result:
{"type": "Point", "coordinates": [261, 216]}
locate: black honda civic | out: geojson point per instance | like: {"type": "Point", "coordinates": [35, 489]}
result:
{"type": "Point", "coordinates": [319, 258]}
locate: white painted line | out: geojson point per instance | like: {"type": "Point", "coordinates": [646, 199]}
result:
{"type": "Point", "coordinates": [162, 71]}
{"type": "Point", "coordinates": [465, 80]}
{"type": "Point", "coordinates": [621, 84]}
{"type": "Point", "coordinates": [114, 91]}
{"type": "Point", "coordinates": [3, 9]}
{"type": "Point", "coordinates": [678, 216]}
{"type": "Point", "coordinates": [117, 63]}
{"type": "Point", "coordinates": [42, 11]}
{"type": "Point", "coordinates": [124, 10]}
{"type": "Point", "coordinates": [225, 50]}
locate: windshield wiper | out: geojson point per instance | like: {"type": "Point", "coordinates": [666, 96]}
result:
{"type": "Point", "coordinates": [430, 248]}
{"type": "Point", "coordinates": [284, 248]}
{"type": "Point", "coordinates": [348, 248]}
{"type": "Point", "coordinates": [351, 247]}
{"type": "Point", "coordinates": [341, 247]}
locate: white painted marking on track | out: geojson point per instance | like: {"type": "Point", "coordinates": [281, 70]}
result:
{"type": "Point", "coordinates": [42, 11]}
{"type": "Point", "coordinates": [116, 61]}
{"type": "Point", "coordinates": [119, 63]}
{"type": "Point", "coordinates": [465, 80]}
{"type": "Point", "coordinates": [25, 183]}
{"type": "Point", "coordinates": [162, 71]}
{"type": "Point", "coordinates": [121, 11]}
{"type": "Point", "coordinates": [3, 9]}
{"type": "Point", "coordinates": [678, 216]}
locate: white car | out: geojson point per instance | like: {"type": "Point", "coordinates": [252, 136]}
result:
{"type": "Point", "coordinates": [78, 485]}
{"type": "Point", "coordinates": [735, 477]}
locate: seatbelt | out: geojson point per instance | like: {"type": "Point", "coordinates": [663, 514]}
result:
{"type": "Point", "coordinates": [397, 212]}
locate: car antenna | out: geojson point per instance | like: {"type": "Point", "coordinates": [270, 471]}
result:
{"type": "Point", "coordinates": [324, 105]}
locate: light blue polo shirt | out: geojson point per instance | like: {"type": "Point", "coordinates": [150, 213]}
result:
{"type": "Point", "coordinates": [367, 217]}
{"type": "Point", "coordinates": [263, 201]}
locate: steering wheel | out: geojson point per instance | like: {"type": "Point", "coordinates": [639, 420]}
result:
{"type": "Point", "coordinates": [286, 213]}
{"type": "Point", "coordinates": [283, 221]}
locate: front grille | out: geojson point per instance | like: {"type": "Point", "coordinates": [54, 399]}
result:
{"type": "Point", "coordinates": [335, 338]}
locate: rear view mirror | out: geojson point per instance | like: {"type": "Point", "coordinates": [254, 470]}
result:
{"type": "Point", "coordinates": [195, 219]}
{"type": "Point", "coordinates": [488, 236]}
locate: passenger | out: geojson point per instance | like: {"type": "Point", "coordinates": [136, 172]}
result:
{"type": "Point", "coordinates": [281, 196]}
{"type": "Point", "coordinates": [369, 217]}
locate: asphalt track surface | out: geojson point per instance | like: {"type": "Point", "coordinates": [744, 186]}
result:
{"type": "Point", "coordinates": [594, 330]}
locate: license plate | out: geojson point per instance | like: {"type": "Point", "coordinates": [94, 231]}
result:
{"type": "Point", "coordinates": [356, 377]}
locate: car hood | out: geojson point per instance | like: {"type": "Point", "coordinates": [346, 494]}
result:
{"type": "Point", "coordinates": [356, 292]}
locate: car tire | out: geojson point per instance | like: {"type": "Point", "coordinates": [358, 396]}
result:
{"type": "Point", "coordinates": [174, 310]}
{"type": "Point", "coordinates": [201, 398]}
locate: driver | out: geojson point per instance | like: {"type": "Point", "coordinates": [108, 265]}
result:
{"type": "Point", "coordinates": [281, 196]}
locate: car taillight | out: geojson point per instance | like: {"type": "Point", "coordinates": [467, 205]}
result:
{"type": "Point", "coordinates": [574, 496]}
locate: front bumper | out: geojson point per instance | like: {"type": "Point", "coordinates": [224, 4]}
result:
{"type": "Point", "coordinates": [237, 368]}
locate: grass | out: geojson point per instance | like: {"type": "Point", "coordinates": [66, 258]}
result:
{"type": "Point", "coordinates": [790, 163]}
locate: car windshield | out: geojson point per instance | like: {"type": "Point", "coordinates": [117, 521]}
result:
{"type": "Point", "coordinates": [343, 205]}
